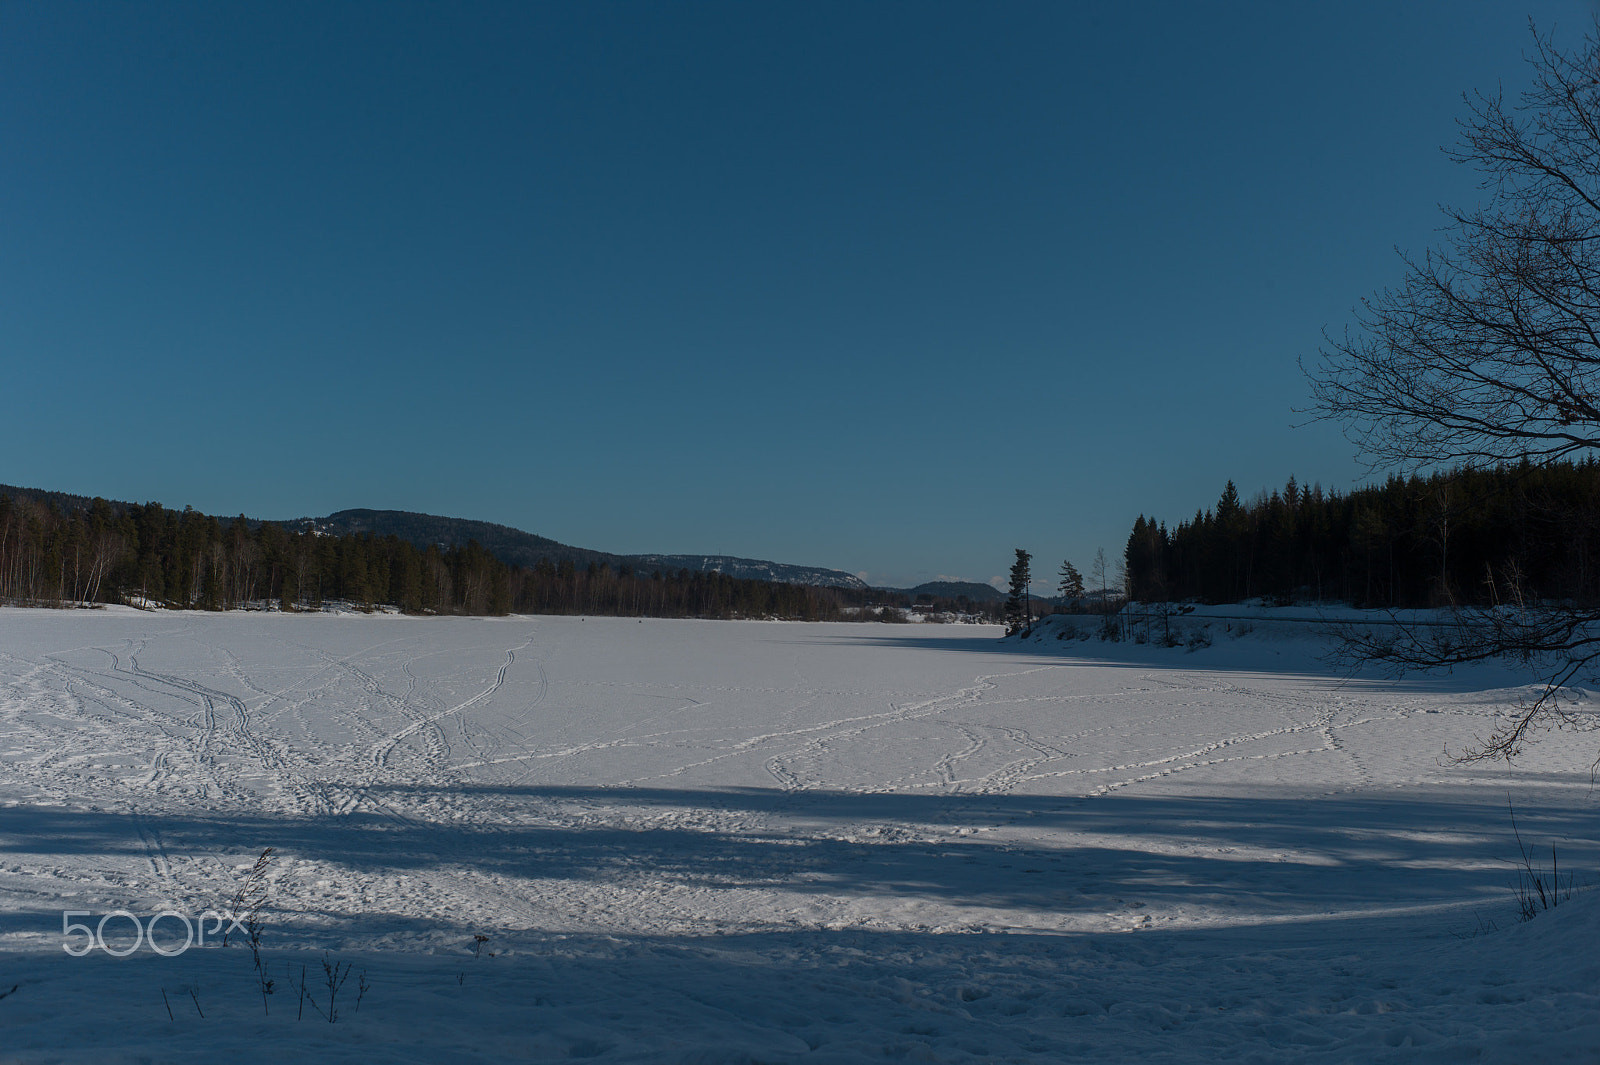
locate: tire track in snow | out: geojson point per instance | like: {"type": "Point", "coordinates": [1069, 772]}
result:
{"type": "Point", "coordinates": [308, 796]}
{"type": "Point", "coordinates": [127, 726]}
{"type": "Point", "coordinates": [1005, 778]}
{"type": "Point", "coordinates": [1194, 758]}
{"type": "Point", "coordinates": [381, 752]}
{"type": "Point", "coordinates": [833, 732]}
{"type": "Point", "coordinates": [945, 766]}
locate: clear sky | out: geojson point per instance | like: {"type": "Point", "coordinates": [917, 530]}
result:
{"type": "Point", "coordinates": [892, 288]}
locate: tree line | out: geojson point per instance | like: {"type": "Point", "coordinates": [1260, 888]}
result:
{"type": "Point", "coordinates": [101, 552]}
{"type": "Point", "coordinates": [1478, 536]}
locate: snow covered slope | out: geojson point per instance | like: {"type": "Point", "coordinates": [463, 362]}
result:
{"type": "Point", "coordinates": [692, 841]}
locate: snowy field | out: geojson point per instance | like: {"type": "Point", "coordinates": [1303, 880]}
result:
{"type": "Point", "coordinates": [719, 842]}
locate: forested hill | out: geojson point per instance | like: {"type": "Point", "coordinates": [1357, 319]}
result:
{"type": "Point", "coordinates": [510, 546]}
{"type": "Point", "coordinates": [64, 501]}
{"type": "Point", "coordinates": [1460, 536]}
{"type": "Point", "coordinates": [148, 555]}
{"type": "Point", "coordinates": [517, 548]}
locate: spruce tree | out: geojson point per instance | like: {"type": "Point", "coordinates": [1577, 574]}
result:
{"type": "Point", "coordinates": [1019, 606]}
{"type": "Point", "coordinates": [1071, 586]}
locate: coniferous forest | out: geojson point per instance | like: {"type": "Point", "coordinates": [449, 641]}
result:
{"type": "Point", "coordinates": [100, 552]}
{"type": "Point", "coordinates": [1466, 536]}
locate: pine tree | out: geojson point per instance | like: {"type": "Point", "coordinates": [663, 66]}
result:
{"type": "Point", "coordinates": [1071, 586]}
{"type": "Point", "coordinates": [1019, 605]}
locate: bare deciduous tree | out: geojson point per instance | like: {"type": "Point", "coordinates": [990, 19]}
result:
{"type": "Point", "coordinates": [1489, 351]}
{"type": "Point", "coordinates": [1490, 348]}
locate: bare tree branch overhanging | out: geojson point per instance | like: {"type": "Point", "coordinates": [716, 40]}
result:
{"type": "Point", "coordinates": [1489, 352]}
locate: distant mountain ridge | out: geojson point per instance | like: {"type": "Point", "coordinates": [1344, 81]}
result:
{"type": "Point", "coordinates": [978, 593]}
{"type": "Point", "coordinates": [752, 569]}
{"type": "Point", "coordinates": [515, 547]}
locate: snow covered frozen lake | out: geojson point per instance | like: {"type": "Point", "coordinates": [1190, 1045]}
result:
{"type": "Point", "coordinates": [724, 842]}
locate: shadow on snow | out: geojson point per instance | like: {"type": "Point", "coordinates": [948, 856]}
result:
{"type": "Point", "coordinates": [1258, 855]}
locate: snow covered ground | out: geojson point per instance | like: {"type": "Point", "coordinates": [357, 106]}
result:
{"type": "Point", "coordinates": [765, 842]}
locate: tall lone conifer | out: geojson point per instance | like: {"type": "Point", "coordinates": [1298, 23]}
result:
{"type": "Point", "coordinates": [1019, 604]}
{"type": "Point", "coordinates": [1071, 586]}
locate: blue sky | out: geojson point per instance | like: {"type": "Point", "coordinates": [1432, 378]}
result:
{"type": "Point", "coordinates": [892, 288]}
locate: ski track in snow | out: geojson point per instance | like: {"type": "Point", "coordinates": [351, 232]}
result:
{"type": "Point", "coordinates": [692, 841]}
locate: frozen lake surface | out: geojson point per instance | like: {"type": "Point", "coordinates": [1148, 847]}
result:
{"type": "Point", "coordinates": [716, 842]}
